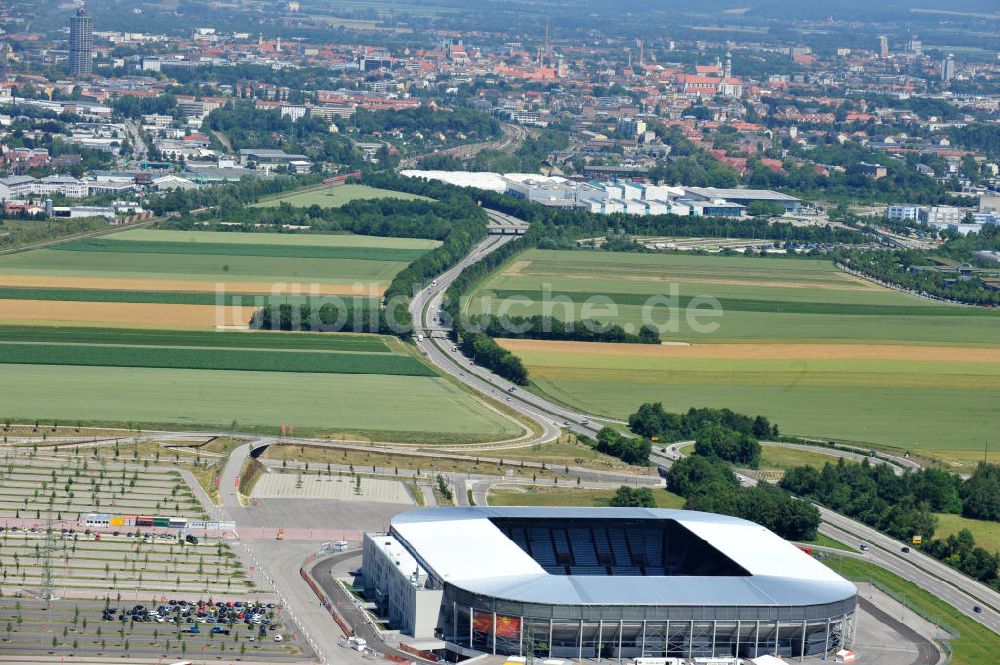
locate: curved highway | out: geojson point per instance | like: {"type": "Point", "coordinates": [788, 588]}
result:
{"type": "Point", "coordinates": [431, 330]}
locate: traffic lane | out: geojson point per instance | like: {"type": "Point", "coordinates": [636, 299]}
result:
{"type": "Point", "coordinates": [545, 420]}
{"type": "Point", "coordinates": [946, 592]}
{"type": "Point", "coordinates": [986, 596]}
{"type": "Point", "coordinates": [521, 400]}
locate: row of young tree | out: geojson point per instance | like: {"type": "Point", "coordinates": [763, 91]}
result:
{"type": "Point", "coordinates": [903, 506]}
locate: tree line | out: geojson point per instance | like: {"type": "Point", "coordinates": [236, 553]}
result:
{"type": "Point", "coordinates": [426, 120]}
{"type": "Point", "coordinates": [652, 420]}
{"type": "Point", "coordinates": [903, 506]}
{"type": "Point", "coordinates": [552, 328]}
{"type": "Point", "coordinates": [551, 227]}
{"type": "Point", "coordinates": [709, 484]}
{"type": "Point", "coordinates": [915, 270]}
{"type": "Point", "coordinates": [457, 223]}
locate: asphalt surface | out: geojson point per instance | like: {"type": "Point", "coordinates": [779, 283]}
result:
{"type": "Point", "coordinates": [958, 590]}
{"type": "Point", "coordinates": [439, 350]}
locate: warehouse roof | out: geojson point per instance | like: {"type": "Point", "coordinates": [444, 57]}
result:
{"type": "Point", "coordinates": [741, 194]}
{"type": "Point", "coordinates": [465, 547]}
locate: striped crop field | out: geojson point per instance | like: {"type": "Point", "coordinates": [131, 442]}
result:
{"type": "Point", "coordinates": [357, 385]}
{"type": "Point", "coordinates": [818, 351]}
{"type": "Point", "coordinates": [266, 360]}
{"type": "Point", "coordinates": [195, 271]}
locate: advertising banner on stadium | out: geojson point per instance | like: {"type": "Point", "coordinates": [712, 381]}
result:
{"type": "Point", "coordinates": [482, 622]}
{"type": "Point", "coordinates": [508, 626]}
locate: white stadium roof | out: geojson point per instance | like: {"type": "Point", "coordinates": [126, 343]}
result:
{"type": "Point", "coordinates": [463, 547]}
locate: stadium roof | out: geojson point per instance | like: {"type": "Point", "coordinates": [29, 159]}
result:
{"type": "Point", "coordinates": [463, 547]}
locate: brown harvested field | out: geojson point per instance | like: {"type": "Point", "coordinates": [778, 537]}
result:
{"type": "Point", "coordinates": [184, 285]}
{"type": "Point", "coordinates": [141, 314]}
{"type": "Point", "coordinates": [762, 351]}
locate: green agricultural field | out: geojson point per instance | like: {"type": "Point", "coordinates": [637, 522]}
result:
{"type": "Point", "coordinates": [817, 351]}
{"type": "Point", "coordinates": [156, 297]}
{"type": "Point", "coordinates": [334, 197]}
{"type": "Point", "coordinates": [197, 338]}
{"type": "Point", "coordinates": [197, 267]}
{"type": "Point", "coordinates": [191, 261]}
{"type": "Point", "coordinates": [400, 408]}
{"type": "Point", "coordinates": [232, 249]}
{"type": "Point", "coordinates": [904, 405]}
{"type": "Point", "coordinates": [762, 299]}
{"type": "Point", "coordinates": [987, 534]}
{"type": "Point", "coordinates": [570, 496]}
{"type": "Point", "coordinates": [107, 355]}
{"type": "Point", "coordinates": [275, 239]}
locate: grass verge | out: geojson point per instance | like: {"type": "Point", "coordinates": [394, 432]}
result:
{"type": "Point", "coordinates": [974, 644]}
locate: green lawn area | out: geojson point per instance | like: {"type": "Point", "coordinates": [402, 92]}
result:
{"type": "Point", "coordinates": [334, 197]}
{"type": "Point", "coordinates": [570, 496]}
{"type": "Point", "coordinates": [827, 541]}
{"type": "Point", "coordinates": [779, 457]}
{"type": "Point", "coordinates": [869, 365]}
{"type": "Point", "coordinates": [976, 643]}
{"type": "Point", "coordinates": [987, 534]}
{"type": "Point", "coordinates": [394, 408]}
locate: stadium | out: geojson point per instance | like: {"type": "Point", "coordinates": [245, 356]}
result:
{"type": "Point", "coordinates": [604, 583]}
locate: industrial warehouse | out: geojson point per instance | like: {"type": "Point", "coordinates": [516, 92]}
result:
{"type": "Point", "coordinates": [603, 583]}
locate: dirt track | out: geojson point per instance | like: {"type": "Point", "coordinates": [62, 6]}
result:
{"type": "Point", "coordinates": [763, 351]}
{"type": "Point", "coordinates": [142, 314]}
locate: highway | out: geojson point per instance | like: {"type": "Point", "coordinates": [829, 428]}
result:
{"type": "Point", "coordinates": [431, 340]}
{"type": "Point", "coordinates": [957, 589]}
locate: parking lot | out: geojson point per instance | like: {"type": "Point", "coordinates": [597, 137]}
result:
{"type": "Point", "coordinates": [39, 492]}
{"type": "Point", "coordinates": [175, 628]}
{"type": "Point", "coordinates": [61, 487]}
{"type": "Point", "coordinates": [140, 562]}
